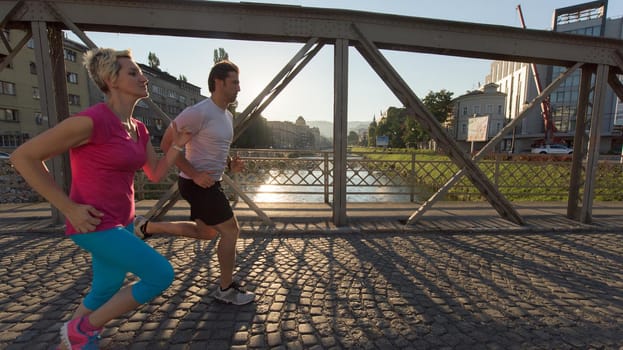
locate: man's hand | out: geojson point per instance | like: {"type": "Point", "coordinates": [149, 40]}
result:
{"type": "Point", "coordinates": [236, 164]}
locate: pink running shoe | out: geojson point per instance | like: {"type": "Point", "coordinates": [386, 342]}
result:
{"type": "Point", "coordinates": [75, 339]}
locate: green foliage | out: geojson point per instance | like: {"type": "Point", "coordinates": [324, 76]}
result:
{"type": "Point", "coordinates": [372, 133]}
{"type": "Point", "coordinates": [220, 54]}
{"type": "Point", "coordinates": [257, 135]}
{"type": "Point", "coordinates": [401, 126]}
{"type": "Point", "coordinates": [353, 138]}
{"type": "Point", "coordinates": [153, 60]}
{"type": "Point", "coordinates": [438, 103]}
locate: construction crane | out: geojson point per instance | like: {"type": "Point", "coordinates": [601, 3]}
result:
{"type": "Point", "coordinates": [546, 111]}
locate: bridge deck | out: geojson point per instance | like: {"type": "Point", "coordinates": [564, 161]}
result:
{"type": "Point", "coordinates": [446, 217]}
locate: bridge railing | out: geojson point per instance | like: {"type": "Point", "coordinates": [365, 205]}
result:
{"type": "Point", "coordinates": [302, 175]}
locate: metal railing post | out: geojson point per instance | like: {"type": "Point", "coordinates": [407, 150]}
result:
{"type": "Point", "coordinates": [412, 177]}
{"type": "Point", "coordinates": [326, 177]}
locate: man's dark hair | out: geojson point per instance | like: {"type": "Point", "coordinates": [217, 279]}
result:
{"type": "Point", "coordinates": [220, 71]}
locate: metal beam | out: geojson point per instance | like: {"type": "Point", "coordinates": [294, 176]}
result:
{"type": "Point", "coordinates": [340, 127]}
{"type": "Point", "coordinates": [599, 97]}
{"type": "Point", "coordinates": [8, 8]}
{"type": "Point", "coordinates": [579, 139]}
{"type": "Point", "coordinates": [615, 84]}
{"type": "Point", "coordinates": [9, 58]}
{"type": "Point", "coordinates": [244, 21]}
{"type": "Point", "coordinates": [404, 93]}
{"type": "Point", "coordinates": [69, 24]}
{"type": "Point", "coordinates": [53, 93]}
{"type": "Point", "coordinates": [491, 144]}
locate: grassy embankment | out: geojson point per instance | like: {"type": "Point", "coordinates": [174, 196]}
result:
{"type": "Point", "coordinates": [522, 179]}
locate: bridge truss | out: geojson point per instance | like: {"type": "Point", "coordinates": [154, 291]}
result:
{"type": "Point", "coordinates": [314, 28]}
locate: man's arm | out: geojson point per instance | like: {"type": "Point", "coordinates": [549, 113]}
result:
{"type": "Point", "coordinates": [201, 178]}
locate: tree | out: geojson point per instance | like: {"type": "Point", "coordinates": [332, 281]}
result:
{"type": "Point", "coordinates": [372, 133]}
{"type": "Point", "coordinates": [438, 103]}
{"type": "Point", "coordinates": [353, 138]}
{"type": "Point", "coordinates": [183, 78]}
{"type": "Point", "coordinates": [393, 125]}
{"type": "Point", "coordinates": [257, 135]}
{"type": "Point", "coordinates": [220, 54]}
{"type": "Point", "coordinates": [153, 60]}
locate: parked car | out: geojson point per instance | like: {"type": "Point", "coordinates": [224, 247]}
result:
{"type": "Point", "coordinates": [4, 155]}
{"type": "Point", "coordinates": [552, 149]}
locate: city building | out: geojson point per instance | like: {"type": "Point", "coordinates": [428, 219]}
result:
{"type": "Point", "coordinates": [170, 94]}
{"type": "Point", "coordinates": [298, 135]}
{"type": "Point", "coordinates": [518, 81]}
{"type": "Point", "coordinates": [483, 108]}
{"type": "Point", "coordinates": [20, 108]}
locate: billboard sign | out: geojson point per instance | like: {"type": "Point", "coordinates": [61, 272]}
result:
{"type": "Point", "coordinates": [382, 141]}
{"type": "Point", "coordinates": [477, 128]}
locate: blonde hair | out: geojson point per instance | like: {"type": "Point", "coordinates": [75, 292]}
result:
{"type": "Point", "coordinates": [102, 64]}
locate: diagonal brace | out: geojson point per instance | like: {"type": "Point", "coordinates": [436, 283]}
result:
{"type": "Point", "coordinates": [404, 93]}
{"type": "Point", "coordinates": [279, 82]}
{"type": "Point", "coordinates": [492, 143]}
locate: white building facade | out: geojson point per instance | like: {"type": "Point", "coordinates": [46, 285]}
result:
{"type": "Point", "coordinates": [486, 102]}
{"type": "Point", "coordinates": [517, 81]}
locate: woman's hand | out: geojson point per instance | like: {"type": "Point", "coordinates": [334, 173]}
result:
{"type": "Point", "coordinates": [84, 218]}
{"type": "Point", "coordinates": [181, 136]}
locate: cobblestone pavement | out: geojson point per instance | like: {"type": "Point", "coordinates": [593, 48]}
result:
{"type": "Point", "coordinates": [557, 290]}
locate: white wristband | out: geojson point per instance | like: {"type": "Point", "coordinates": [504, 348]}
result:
{"type": "Point", "coordinates": [178, 148]}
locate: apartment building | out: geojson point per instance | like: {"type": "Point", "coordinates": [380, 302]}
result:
{"type": "Point", "coordinates": [517, 81]}
{"type": "Point", "coordinates": [20, 110]}
{"type": "Point", "coordinates": [170, 94]}
{"type": "Point", "coordinates": [481, 109]}
{"type": "Point", "coordinates": [298, 135]}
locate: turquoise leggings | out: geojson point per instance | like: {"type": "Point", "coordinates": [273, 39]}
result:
{"type": "Point", "coordinates": [116, 252]}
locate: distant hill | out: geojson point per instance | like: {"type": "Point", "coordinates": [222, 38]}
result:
{"type": "Point", "coordinates": [326, 128]}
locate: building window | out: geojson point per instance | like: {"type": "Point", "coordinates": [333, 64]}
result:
{"type": "Point", "coordinates": [30, 44]}
{"type": "Point", "coordinates": [464, 110]}
{"type": "Point", "coordinates": [38, 118]}
{"type": "Point", "coordinates": [489, 109]}
{"type": "Point", "coordinates": [72, 78]}
{"type": "Point", "coordinates": [172, 94]}
{"type": "Point", "coordinates": [7, 88]}
{"type": "Point", "coordinates": [70, 55]}
{"type": "Point", "coordinates": [9, 115]}
{"type": "Point", "coordinates": [182, 98]}
{"type": "Point", "coordinates": [476, 109]}
{"type": "Point", "coordinates": [157, 90]}
{"type": "Point", "coordinates": [499, 109]}
{"type": "Point", "coordinates": [12, 141]}
{"type": "Point", "coordinates": [35, 93]}
{"type": "Point", "coordinates": [2, 58]}
{"type": "Point", "coordinates": [74, 100]}
{"type": "Point", "coordinates": [33, 68]}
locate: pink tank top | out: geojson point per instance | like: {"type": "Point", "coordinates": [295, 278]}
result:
{"type": "Point", "coordinates": [103, 169]}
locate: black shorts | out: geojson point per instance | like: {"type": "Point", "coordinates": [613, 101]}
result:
{"type": "Point", "coordinates": [208, 204]}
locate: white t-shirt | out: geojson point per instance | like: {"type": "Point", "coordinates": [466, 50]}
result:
{"type": "Point", "coordinates": [213, 132]}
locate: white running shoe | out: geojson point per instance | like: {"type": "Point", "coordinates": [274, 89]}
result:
{"type": "Point", "coordinates": [234, 294]}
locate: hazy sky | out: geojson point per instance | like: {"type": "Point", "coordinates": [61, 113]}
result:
{"type": "Point", "coordinates": [310, 94]}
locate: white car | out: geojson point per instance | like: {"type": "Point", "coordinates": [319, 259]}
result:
{"type": "Point", "coordinates": [552, 149]}
{"type": "Point", "coordinates": [4, 155]}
